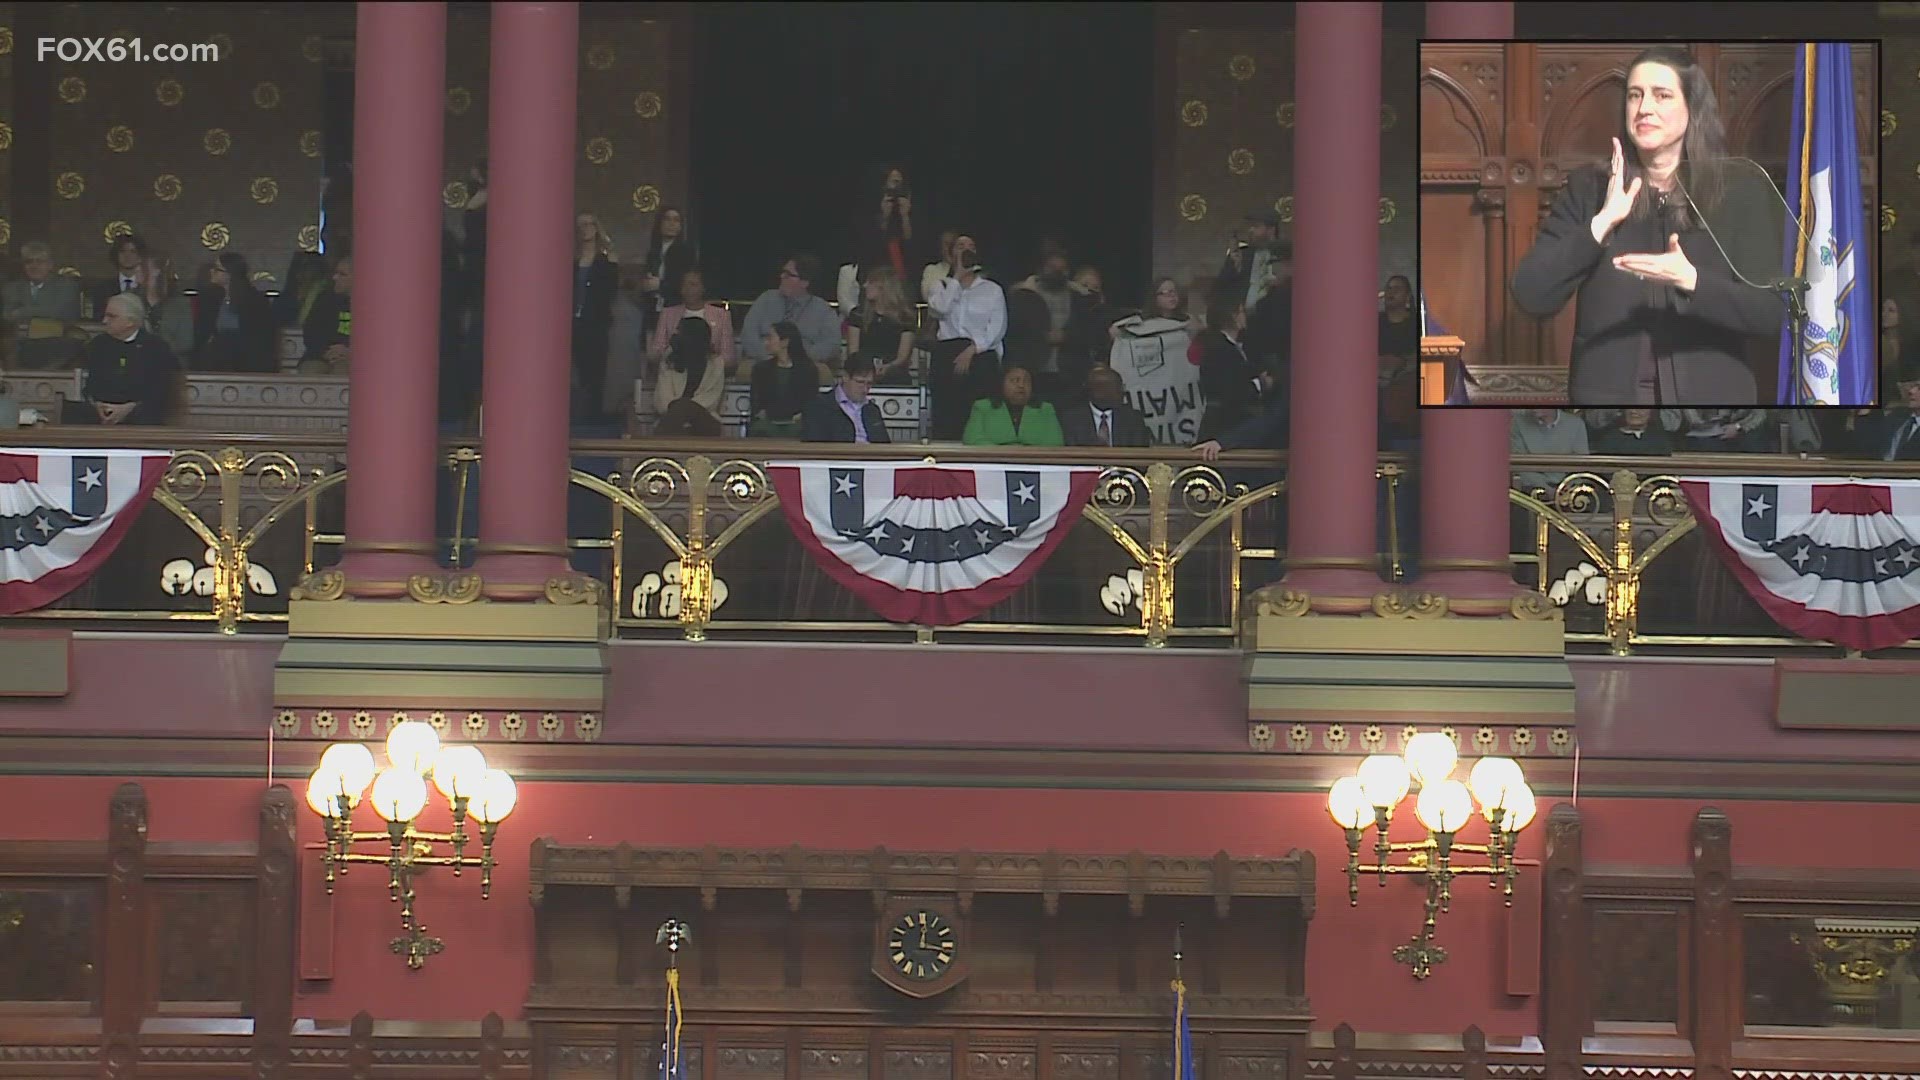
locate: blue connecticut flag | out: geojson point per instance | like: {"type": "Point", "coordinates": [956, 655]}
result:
{"type": "Point", "coordinates": [1829, 248]}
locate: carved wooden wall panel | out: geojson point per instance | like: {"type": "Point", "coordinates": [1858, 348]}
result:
{"type": "Point", "coordinates": [1636, 964]}
{"type": "Point", "coordinates": [1501, 126]}
{"type": "Point", "coordinates": [48, 944]}
{"type": "Point", "coordinates": [203, 942]}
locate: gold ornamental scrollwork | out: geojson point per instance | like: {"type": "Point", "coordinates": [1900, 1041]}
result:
{"type": "Point", "coordinates": [215, 236]}
{"type": "Point", "coordinates": [73, 90]}
{"type": "Point", "coordinates": [459, 100]}
{"type": "Point", "coordinates": [115, 230]}
{"type": "Point", "coordinates": [1194, 113]}
{"type": "Point", "coordinates": [119, 138]}
{"type": "Point", "coordinates": [264, 189]}
{"type": "Point", "coordinates": [570, 589]}
{"type": "Point", "coordinates": [6, 40]}
{"type": "Point", "coordinates": [600, 57]}
{"type": "Point", "coordinates": [321, 585]}
{"type": "Point", "coordinates": [69, 185]}
{"type": "Point", "coordinates": [167, 187]}
{"type": "Point", "coordinates": [1193, 208]}
{"type": "Point", "coordinates": [6, 135]}
{"type": "Point", "coordinates": [222, 43]}
{"type": "Point", "coordinates": [646, 198]}
{"type": "Point", "coordinates": [271, 475]}
{"type": "Point", "coordinates": [1283, 114]}
{"type": "Point", "coordinates": [456, 588]}
{"type": "Point", "coordinates": [1403, 604]}
{"type": "Point", "coordinates": [455, 194]}
{"type": "Point", "coordinates": [310, 143]}
{"type": "Point", "coordinates": [1889, 123]}
{"type": "Point", "coordinates": [1241, 67]}
{"type": "Point", "coordinates": [169, 92]}
{"type": "Point", "coordinates": [6, 232]}
{"type": "Point", "coordinates": [1531, 606]}
{"type": "Point", "coordinates": [1388, 117]}
{"type": "Point", "coordinates": [266, 96]}
{"type": "Point", "coordinates": [1387, 211]}
{"type": "Point", "coordinates": [1888, 219]}
{"type": "Point", "coordinates": [1284, 207]}
{"type": "Point", "coordinates": [312, 49]}
{"type": "Point", "coordinates": [647, 105]}
{"type": "Point", "coordinates": [599, 150]}
{"type": "Point", "coordinates": [1283, 602]}
{"type": "Point", "coordinates": [217, 141]}
{"type": "Point", "coordinates": [1240, 162]}
{"type": "Point", "coordinates": [308, 238]}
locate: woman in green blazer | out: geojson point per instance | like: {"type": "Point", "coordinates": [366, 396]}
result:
{"type": "Point", "coordinates": [1016, 419]}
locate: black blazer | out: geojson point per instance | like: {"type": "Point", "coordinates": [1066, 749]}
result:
{"type": "Point", "coordinates": [322, 328]}
{"type": "Point", "coordinates": [1227, 382]}
{"type": "Point", "coordinates": [1129, 427]}
{"type": "Point", "coordinates": [681, 257]}
{"type": "Point", "coordinates": [823, 420]}
{"type": "Point", "coordinates": [141, 371]}
{"type": "Point", "coordinates": [255, 349]}
{"type": "Point", "coordinates": [1699, 339]}
{"type": "Point", "coordinates": [106, 289]}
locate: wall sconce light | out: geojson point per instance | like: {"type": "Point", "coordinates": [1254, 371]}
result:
{"type": "Point", "coordinates": [1444, 806]}
{"type": "Point", "coordinates": [399, 795]}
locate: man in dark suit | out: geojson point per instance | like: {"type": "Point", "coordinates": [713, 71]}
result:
{"type": "Point", "coordinates": [128, 257]}
{"type": "Point", "coordinates": [1893, 435]}
{"type": "Point", "coordinates": [1104, 418]}
{"type": "Point", "coordinates": [846, 414]}
{"type": "Point", "coordinates": [130, 370]}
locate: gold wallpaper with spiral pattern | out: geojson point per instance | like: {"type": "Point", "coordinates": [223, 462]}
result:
{"type": "Point", "coordinates": [198, 157]}
{"type": "Point", "coordinates": [625, 167]}
{"type": "Point", "coordinates": [1233, 146]}
{"type": "Point", "coordinates": [7, 47]}
{"type": "Point", "coordinates": [1900, 174]}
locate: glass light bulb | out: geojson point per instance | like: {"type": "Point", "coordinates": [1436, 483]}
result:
{"type": "Point", "coordinates": [1490, 779]}
{"type": "Point", "coordinates": [352, 764]}
{"type": "Point", "coordinates": [1445, 806]}
{"type": "Point", "coordinates": [1385, 780]}
{"type": "Point", "coordinates": [399, 795]}
{"type": "Point", "coordinates": [1520, 808]}
{"type": "Point", "coordinates": [1347, 802]}
{"type": "Point", "coordinates": [1431, 757]}
{"type": "Point", "coordinates": [323, 793]}
{"type": "Point", "coordinates": [495, 799]}
{"type": "Point", "coordinates": [457, 770]}
{"type": "Point", "coordinates": [411, 746]}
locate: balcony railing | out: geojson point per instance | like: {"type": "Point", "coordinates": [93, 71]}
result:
{"type": "Point", "coordinates": [1163, 554]}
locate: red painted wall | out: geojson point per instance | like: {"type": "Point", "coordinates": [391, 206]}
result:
{"type": "Point", "coordinates": [1351, 977]}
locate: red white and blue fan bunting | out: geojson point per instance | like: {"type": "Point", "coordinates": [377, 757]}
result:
{"type": "Point", "coordinates": [1830, 560]}
{"type": "Point", "coordinates": [62, 512]}
{"type": "Point", "coordinates": [930, 545]}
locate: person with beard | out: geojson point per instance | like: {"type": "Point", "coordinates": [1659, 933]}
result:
{"type": "Point", "coordinates": [1042, 313]}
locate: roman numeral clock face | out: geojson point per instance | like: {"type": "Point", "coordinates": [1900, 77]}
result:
{"type": "Point", "coordinates": [921, 945]}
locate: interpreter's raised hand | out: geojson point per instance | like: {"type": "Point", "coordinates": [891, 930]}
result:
{"type": "Point", "coordinates": [1619, 197]}
{"type": "Point", "coordinates": [1670, 267]}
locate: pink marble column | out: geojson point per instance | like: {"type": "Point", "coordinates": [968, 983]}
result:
{"type": "Point", "coordinates": [1464, 533]}
{"type": "Point", "coordinates": [392, 434]}
{"type": "Point", "coordinates": [1336, 249]}
{"type": "Point", "coordinates": [529, 297]}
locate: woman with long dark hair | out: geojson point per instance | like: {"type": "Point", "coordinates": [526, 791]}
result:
{"type": "Point", "coordinates": [671, 252]}
{"type": "Point", "coordinates": [782, 384]}
{"type": "Point", "coordinates": [692, 379]}
{"type": "Point", "coordinates": [232, 321]}
{"type": "Point", "coordinates": [596, 278]}
{"type": "Point", "coordinates": [1661, 318]}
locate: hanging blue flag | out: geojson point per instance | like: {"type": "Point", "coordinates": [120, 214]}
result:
{"type": "Point", "coordinates": [1182, 1038]}
{"type": "Point", "coordinates": [1829, 248]}
{"type": "Point", "coordinates": [672, 1067]}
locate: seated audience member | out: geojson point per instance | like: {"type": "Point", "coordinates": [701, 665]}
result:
{"type": "Point", "coordinates": [233, 324]}
{"type": "Point", "coordinates": [934, 272]}
{"type": "Point", "coordinates": [794, 304]}
{"type": "Point", "coordinates": [694, 303]}
{"type": "Point", "coordinates": [1104, 418]}
{"type": "Point", "coordinates": [130, 372]}
{"type": "Point", "coordinates": [881, 328]}
{"type": "Point", "coordinates": [126, 255]}
{"type": "Point", "coordinates": [1719, 431]}
{"type": "Point", "coordinates": [1891, 433]}
{"type": "Point", "coordinates": [1040, 312]}
{"type": "Point", "coordinates": [40, 308]}
{"type": "Point", "coordinates": [692, 379]}
{"type": "Point", "coordinates": [972, 311]}
{"type": "Point", "coordinates": [328, 329]}
{"type": "Point", "coordinates": [1545, 432]}
{"type": "Point", "coordinates": [168, 313]}
{"type": "Point", "coordinates": [1016, 419]}
{"type": "Point", "coordinates": [626, 343]}
{"type": "Point", "coordinates": [1230, 381]}
{"type": "Point", "coordinates": [783, 383]}
{"type": "Point", "coordinates": [1633, 432]}
{"type": "Point", "coordinates": [847, 414]}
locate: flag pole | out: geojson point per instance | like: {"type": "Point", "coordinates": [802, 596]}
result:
{"type": "Point", "coordinates": [1178, 930]}
{"type": "Point", "coordinates": [673, 934]}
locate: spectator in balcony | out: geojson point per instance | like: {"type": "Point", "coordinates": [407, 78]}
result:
{"type": "Point", "coordinates": [596, 277]}
{"type": "Point", "coordinates": [848, 414]}
{"type": "Point", "coordinates": [126, 254]}
{"type": "Point", "coordinates": [1013, 417]}
{"type": "Point", "coordinates": [886, 231]}
{"type": "Point", "coordinates": [1169, 302]}
{"type": "Point", "coordinates": [693, 304]}
{"type": "Point", "coordinates": [626, 344]}
{"type": "Point", "coordinates": [1545, 432]}
{"type": "Point", "coordinates": [309, 277]}
{"type": "Point", "coordinates": [1719, 431]}
{"type": "Point", "coordinates": [1399, 358]}
{"type": "Point", "coordinates": [131, 374]}
{"type": "Point", "coordinates": [1892, 432]}
{"type": "Point", "coordinates": [40, 308]}
{"type": "Point", "coordinates": [1890, 364]}
{"type": "Point", "coordinates": [1230, 381]}
{"type": "Point", "coordinates": [1041, 313]}
{"type": "Point", "coordinates": [972, 311]}
{"type": "Point", "coordinates": [1104, 418]}
{"type": "Point", "coordinates": [1632, 433]}
{"type": "Point", "coordinates": [793, 303]}
{"type": "Point", "coordinates": [671, 252]}
{"type": "Point", "coordinates": [168, 313]}
{"type": "Point", "coordinates": [881, 328]}
{"type": "Point", "coordinates": [328, 329]}
{"type": "Point", "coordinates": [783, 383]}
{"type": "Point", "coordinates": [935, 272]}
{"type": "Point", "coordinates": [1251, 266]}
{"type": "Point", "coordinates": [692, 379]}
{"type": "Point", "coordinates": [233, 324]}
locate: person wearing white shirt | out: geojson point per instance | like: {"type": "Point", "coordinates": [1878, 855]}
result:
{"type": "Point", "coordinates": [973, 325]}
{"type": "Point", "coordinates": [931, 275]}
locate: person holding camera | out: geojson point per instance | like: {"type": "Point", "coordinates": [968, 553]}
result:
{"type": "Point", "coordinates": [973, 326]}
{"type": "Point", "coordinates": [891, 229]}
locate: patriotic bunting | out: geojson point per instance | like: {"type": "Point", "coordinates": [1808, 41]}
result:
{"type": "Point", "coordinates": [62, 512]}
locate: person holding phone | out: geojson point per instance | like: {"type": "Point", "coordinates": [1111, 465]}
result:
{"type": "Point", "coordinates": [972, 310]}
{"type": "Point", "coordinates": [1661, 318]}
